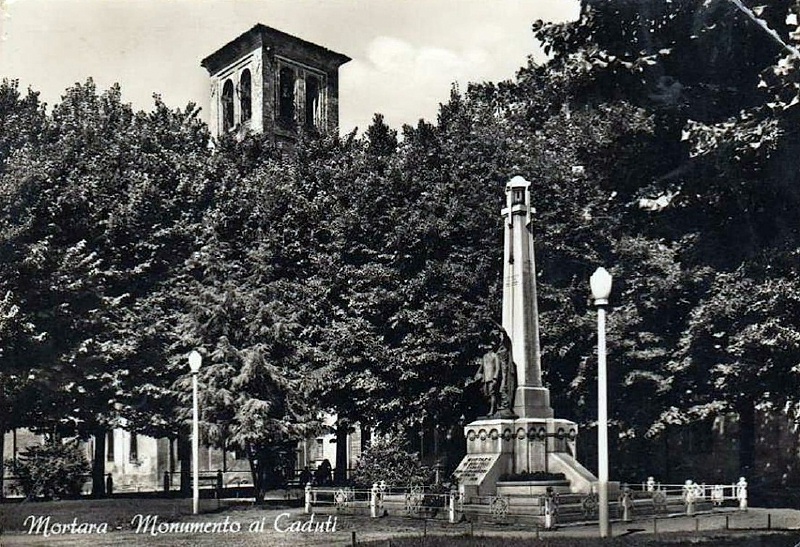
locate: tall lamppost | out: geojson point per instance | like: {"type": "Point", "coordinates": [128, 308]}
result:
{"type": "Point", "coordinates": [600, 283]}
{"type": "Point", "coordinates": [195, 360]}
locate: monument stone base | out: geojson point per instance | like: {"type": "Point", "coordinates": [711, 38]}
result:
{"type": "Point", "coordinates": [510, 446]}
{"type": "Point", "coordinates": [533, 402]}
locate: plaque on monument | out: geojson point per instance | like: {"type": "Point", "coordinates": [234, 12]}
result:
{"type": "Point", "coordinates": [474, 467]}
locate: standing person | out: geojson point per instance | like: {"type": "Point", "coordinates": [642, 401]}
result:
{"type": "Point", "coordinates": [305, 477]}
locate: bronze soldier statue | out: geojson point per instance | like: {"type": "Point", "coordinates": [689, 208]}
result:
{"type": "Point", "coordinates": [499, 375]}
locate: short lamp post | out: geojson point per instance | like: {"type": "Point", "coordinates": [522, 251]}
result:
{"type": "Point", "coordinates": [195, 360]}
{"type": "Point", "coordinates": [600, 284]}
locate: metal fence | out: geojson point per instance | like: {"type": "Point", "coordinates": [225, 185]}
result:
{"type": "Point", "coordinates": [634, 501]}
{"type": "Point", "coordinates": [383, 499]}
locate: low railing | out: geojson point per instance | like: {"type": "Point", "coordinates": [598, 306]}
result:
{"type": "Point", "coordinates": [12, 488]}
{"type": "Point", "coordinates": [417, 501]}
{"type": "Point", "coordinates": [382, 499]}
{"type": "Point", "coordinates": [691, 493]}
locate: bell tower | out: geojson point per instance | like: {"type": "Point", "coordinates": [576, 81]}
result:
{"type": "Point", "coordinates": [267, 81]}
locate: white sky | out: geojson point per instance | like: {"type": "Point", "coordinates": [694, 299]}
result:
{"type": "Point", "coordinates": [406, 53]}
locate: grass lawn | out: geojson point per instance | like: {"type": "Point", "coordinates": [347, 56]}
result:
{"type": "Point", "coordinates": [396, 531]}
{"type": "Point", "coordinates": [732, 539]}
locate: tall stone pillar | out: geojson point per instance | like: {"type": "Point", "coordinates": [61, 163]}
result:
{"type": "Point", "coordinates": [520, 309]}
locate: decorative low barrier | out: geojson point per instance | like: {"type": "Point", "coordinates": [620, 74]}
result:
{"type": "Point", "coordinates": [221, 482]}
{"type": "Point", "coordinates": [692, 494]}
{"type": "Point", "coordinates": [381, 499]}
{"type": "Point", "coordinates": [647, 499]}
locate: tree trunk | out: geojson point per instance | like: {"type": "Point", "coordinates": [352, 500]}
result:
{"type": "Point", "coordinates": [185, 457]}
{"type": "Point", "coordinates": [747, 438]}
{"type": "Point", "coordinates": [99, 464]}
{"type": "Point", "coordinates": [667, 476]}
{"type": "Point", "coordinates": [340, 474]}
{"type": "Point", "coordinates": [258, 467]}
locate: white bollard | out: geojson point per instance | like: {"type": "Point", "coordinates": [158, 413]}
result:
{"type": "Point", "coordinates": [308, 499]}
{"type": "Point", "coordinates": [451, 508]}
{"type": "Point", "coordinates": [373, 501]}
{"type": "Point", "coordinates": [741, 493]}
{"type": "Point", "coordinates": [548, 513]}
{"type": "Point", "coordinates": [689, 497]}
{"type": "Point", "coordinates": [718, 495]}
{"type": "Point", "coordinates": [627, 504]}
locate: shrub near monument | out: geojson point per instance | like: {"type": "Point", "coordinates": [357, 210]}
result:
{"type": "Point", "coordinates": [51, 471]}
{"type": "Point", "coordinates": [386, 460]}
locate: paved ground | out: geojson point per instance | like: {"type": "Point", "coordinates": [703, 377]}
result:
{"type": "Point", "coordinates": [380, 529]}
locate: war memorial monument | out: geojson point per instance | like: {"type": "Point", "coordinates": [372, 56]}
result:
{"type": "Point", "coordinates": [519, 436]}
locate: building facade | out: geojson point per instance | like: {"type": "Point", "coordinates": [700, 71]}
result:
{"type": "Point", "coordinates": [140, 463]}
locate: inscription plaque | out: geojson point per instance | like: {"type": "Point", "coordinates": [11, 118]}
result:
{"type": "Point", "coordinates": [474, 467]}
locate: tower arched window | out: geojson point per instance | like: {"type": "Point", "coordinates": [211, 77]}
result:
{"type": "Point", "coordinates": [246, 95]}
{"type": "Point", "coordinates": [227, 105]}
{"type": "Point", "coordinates": [286, 97]}
{"type": "Point", "coordinates": [313, 110]}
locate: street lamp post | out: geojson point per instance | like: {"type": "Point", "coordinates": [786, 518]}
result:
{"type": "Point", "coordinates": [600, 283]}
{"type": "Point", "coordinates": [195, 360]}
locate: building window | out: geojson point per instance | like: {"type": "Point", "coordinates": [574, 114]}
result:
{"type": "Point", "coordinates": [110, 446]}
{"type": "Point", "coordinates": [286, 97]}
{"type": "Point", "coordinates": [227, 106]}
{"type": "Point", "coordinates": [246, 95]}
{"type": "Point", "coordinates": [313, 110]}
{"type": "Point", "coordinates": [134, 448]}
{"type": "Point", "coordinates": [319, 452]}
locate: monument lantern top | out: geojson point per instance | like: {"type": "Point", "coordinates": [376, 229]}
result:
{"type": "Point", "coordinates": [518, 198]}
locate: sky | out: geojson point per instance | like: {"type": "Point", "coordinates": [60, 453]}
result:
{"type": "Point", "coordinates": [406, 54]}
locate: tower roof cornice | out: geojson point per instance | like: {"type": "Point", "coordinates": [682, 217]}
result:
{"type": "Point", "coordinates": [262, 35]}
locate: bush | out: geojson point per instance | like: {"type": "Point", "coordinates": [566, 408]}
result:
{"type": "Point", "coordinates": [51, 471]}
{"type": "Point", "coordinates": [386, 460]}
{"type": "Point", "coordinates": [436, 496]}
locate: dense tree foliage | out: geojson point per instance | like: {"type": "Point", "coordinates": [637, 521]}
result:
{"type": "Point", "coordinates": [714, 200]}
{"type": "Point", "coordinates": [360, 274]}
{"type": "Point", "coordinates": [93, 221]}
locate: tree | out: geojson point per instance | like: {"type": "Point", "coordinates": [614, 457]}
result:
{"type": "Point", "coordinates": [95, 218]}
{"type": "Point", "coordinates": [719, 197]}
{"type": "Point", "coordinates": [21, 121]}
{"type": "Point", "coordinates": [240, 302]}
